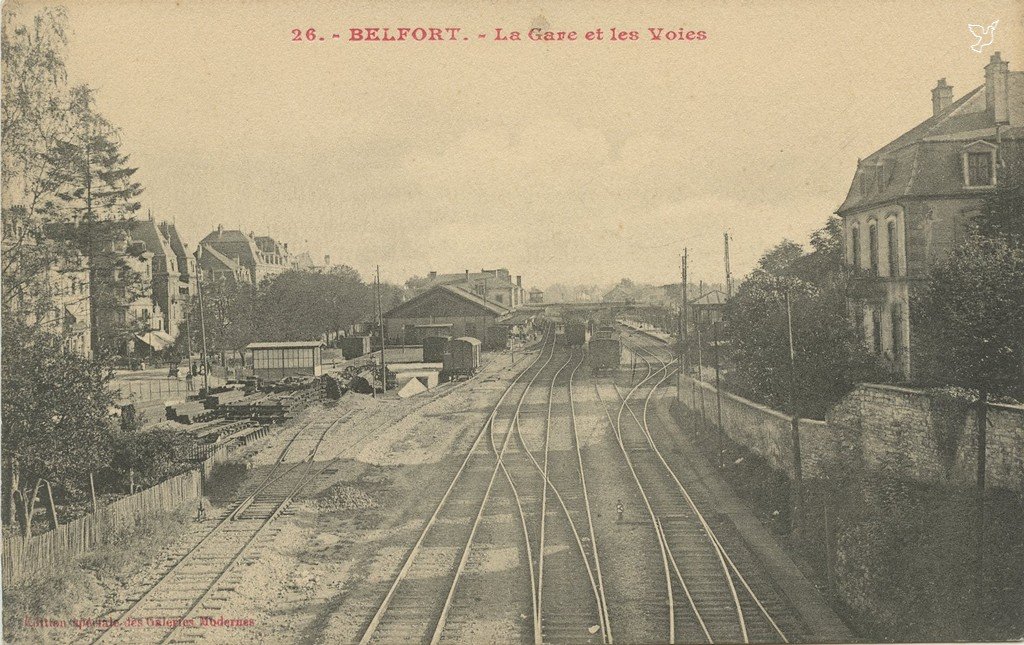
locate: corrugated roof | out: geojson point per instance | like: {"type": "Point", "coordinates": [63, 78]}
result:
{"type": "Point", "coordinates": [286, 344]}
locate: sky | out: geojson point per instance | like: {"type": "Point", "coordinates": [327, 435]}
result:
{"type": "Point", "coordinates": [579, 162]}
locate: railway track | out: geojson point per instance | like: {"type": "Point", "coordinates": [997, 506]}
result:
{"type": "Point", "coordinates": [721, 603]}
{"type": "Point", "coordinates": [421, 600]}
{"type": "Point", "coordinates": [437, 595]}
{"type": "Point", "coordinates": [196, 583]}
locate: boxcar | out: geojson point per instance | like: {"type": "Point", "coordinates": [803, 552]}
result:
{"type": "Point", "coordinates": [605, 331]}
{"type": "Point", "coordinates": [462, 359]}
{"type": "Point", "coordinates": [605, 354]}
{"type": "Point", "coordinates": [577, 334]}
{"type": "Point", "coordinates": [434, 348]}
{"type": "Point", "coordinates": [354, 346]}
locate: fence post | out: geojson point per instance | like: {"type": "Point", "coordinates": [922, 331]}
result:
{"type": "Point", "coordinates": [53, 508]}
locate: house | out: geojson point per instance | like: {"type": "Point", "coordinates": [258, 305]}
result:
{"type": "Point", "coordinates": [708, 309]}
{"type": "Point", "coordinates": [908, 203]}
{"type": "Point", "coordinates": [446, 310]}
{"type": "Point", "coordinates": [123, 309]}
{"type": "Point", "coordinates": [169, 289]}
{"type": "Point", "coordinates": [495, 285]}
{"type": "Point", "coordinates": [215, 266]}
{"type": "Point", "coordinates": [260, 256]}
{"type": "Point", "coordinates": [536, 296]}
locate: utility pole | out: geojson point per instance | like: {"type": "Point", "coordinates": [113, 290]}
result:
{"type": "Point", "coordinates": [202, 327]}
{"type": "Point", "coordinates": [684, 336]}
{"type": "Point", "coordinates": [798, 501]}
{"type": "Point", "coordinates": [380, 323]}
{"type": "Point", "coordinates": [718, 391]}
{"type": "Point", "coordinates": [728, 270]}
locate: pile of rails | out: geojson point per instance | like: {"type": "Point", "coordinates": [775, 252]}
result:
{"type": "Point", "coordinates": [268, 408]}
{"type": "Point", "coordinates": [244, 404]}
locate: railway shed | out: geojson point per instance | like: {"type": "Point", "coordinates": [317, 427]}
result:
{"type": "Point", "coordinates": [446, 310]}
{"type": "Point", "coordinates": [277, 360]}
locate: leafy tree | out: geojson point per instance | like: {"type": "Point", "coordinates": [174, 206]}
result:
{"type": "Point", "coordinates": [968, 319]}
{"type": "Point", "coordinates": [830, 357]}
{"type": "Point", "coordinates": [34, 108]}
{"type": "Point", "coordinates": [56, 418]}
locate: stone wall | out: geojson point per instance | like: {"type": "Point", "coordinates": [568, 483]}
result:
{"type": "Point", "coordinates": [932, 437]}
{"type": "Point", "coordinates": [908, 433]}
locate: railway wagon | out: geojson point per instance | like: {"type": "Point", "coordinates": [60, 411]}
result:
{"type": "Point", "coordinates": [605, 354]}
{"type": "Point", "coordinates": [605, 331]}
{"type": "Point", "coordinates": [354, 346]}
{"type": "Point", "coordinates": [462, 359]}
{"type": "Point", "coordinates": [434, 348]}
{"type": "Point", "coordinates": [577, 334]}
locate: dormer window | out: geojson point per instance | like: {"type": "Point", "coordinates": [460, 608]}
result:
{"type": "Point", "coordinates": [979, 169]}
{"type": "Point", "coordinates": [979, 164]}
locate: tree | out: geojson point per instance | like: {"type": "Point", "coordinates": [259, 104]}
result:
{"type": "Point", "coordinates": [830, 357]}
{"type": "Point", "coordinates": [56, 418]}
{"type": "Point", "coordinates": [34, 109]}
{"type": "Point", "coordinates": [93, 188]}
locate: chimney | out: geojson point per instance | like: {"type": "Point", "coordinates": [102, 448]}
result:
{"type": "Point", "coordinates": [942, 97]}
{"type": "Point", "coordinates": [519, 281]}
{"type": "Point", "coordinates": [997, 101]}
{"type": "Point", "coordinates": [433, 275]}
{"type": "Point", "coordinates": [467, 274]}
{"type": "Point", "coordinates": [327, 260]}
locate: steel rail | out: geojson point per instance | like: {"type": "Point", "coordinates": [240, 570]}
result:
{"type": "Point", "coordinates": [374, 623]}
{"type": "Point", "coordinates": [499, 456]}
{"type": "Point", "coordinates": [719, 551]}
{"type": "Point", "coordinates": [586, 503]}
{"type": "Point", "coordinates": [203, 541]}
{"type": "Point", "coordinates": [721, 548]}
{"type": "Point", "coordinates": [303, 481]}
{"type": "Point", "coordinates": [565, 511]}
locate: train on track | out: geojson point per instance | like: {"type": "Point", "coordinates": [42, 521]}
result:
{"type": "Point", "coordinates": [605, 355]}
{"type": "Point", "coordinates": [461, 359]}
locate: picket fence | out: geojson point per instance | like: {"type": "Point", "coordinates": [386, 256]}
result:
{"type": "Point", "coordinates": [23, 557]}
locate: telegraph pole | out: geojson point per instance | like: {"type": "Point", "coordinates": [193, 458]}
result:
{"type": "Point", "coordinates": [380, 323]}
{"type": "Point", "coordinates": [718, 391]}
{"type": "Point", "coordinates": [798, 502]}
{"type": "Point", "coordinates": [728, 270]}
{"type": "Point", "coordinates": [684, 337]}
{"type": "Point", "coordinates": [202, 327]}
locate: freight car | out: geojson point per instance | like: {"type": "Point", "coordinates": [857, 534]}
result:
{"type": "Point", "coordinates": [434, 348]}
{"type": "Point", "coordinates": [605, 331]}
{"type": "Point", "coordinates": [577, 334]}
{"type": "Point", "coordinates": [354, 346]}
{"type": "Point", "coordinates": [605, 354]}
{"type": "Point", "coordinates": [462, 359]}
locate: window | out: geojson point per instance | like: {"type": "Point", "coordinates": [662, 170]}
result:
{"type": "Point", "coordinates": [501, 298]}
{"type": "Point", "coordinates": [897, 331]}
{"type": "Point", "coordinates": [873, 246]}
{"type": "Point", "coordinates": [979, 169]}
{"type": "Point", "coordinates": [894, 255]}
{"type": "Point", "coordinates": [876, 330]}
{"type": "Point", "coordinates": [856, 246]}
{"type": "Point", "coordinates": [471, 330]}
{"type": "Point", "coordinates": [879, 178]}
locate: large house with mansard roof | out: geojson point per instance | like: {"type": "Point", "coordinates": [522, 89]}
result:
{"type": "Point", "coordinates": [909, 202]}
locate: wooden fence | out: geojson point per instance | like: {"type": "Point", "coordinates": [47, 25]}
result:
{"type": "Point", "coordinates": [24, 556]}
